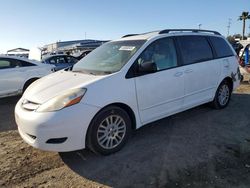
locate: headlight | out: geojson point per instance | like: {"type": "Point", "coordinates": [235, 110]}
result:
{"type": "Point", "coordinates": [66, 99]}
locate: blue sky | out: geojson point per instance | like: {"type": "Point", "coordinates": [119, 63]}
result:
{"type": "Point", "coordinates": [33, 23]}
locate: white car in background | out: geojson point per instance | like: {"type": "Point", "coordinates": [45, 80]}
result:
{"type": "Point", "coordinates": [16, 74]}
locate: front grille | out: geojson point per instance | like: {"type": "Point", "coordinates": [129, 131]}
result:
{"type": "Point", "coordinates": [29, 105]}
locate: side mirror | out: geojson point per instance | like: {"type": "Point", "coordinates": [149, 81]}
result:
{"type": "Point", "coordinates": [147, 67]}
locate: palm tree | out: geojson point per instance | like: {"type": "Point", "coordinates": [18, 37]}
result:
{"type": "Point", "coordinates": [244, 16]}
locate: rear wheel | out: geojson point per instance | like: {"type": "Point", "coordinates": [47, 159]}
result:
{"type": "Point", "coordinates": [222, 96]}
{"type": "Point", "coordinates": [109, 130]}
{"type": "Point", "coordinates": [241, 78]}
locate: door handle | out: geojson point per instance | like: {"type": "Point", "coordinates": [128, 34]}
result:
{"type": "Point", "coordinates": [188, 71]}
{"type": "Point", "coordinates": [178, 74]}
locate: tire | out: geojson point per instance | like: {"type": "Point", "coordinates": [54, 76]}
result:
{"type": "Point", "coordinates": [109, 130]}
{"type": "Point", "coordinates": [222, 96]}
{"type": "Point", "coordinates": [27, 83]}
{"type": "Point", "coordinates": [241, 78]}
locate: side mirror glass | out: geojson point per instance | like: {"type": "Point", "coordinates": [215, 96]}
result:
{"type": "Point", "coordinates": [147, 67]}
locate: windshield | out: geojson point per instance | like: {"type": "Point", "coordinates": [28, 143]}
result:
{"type": "Point", "coordinates": [108, 58]}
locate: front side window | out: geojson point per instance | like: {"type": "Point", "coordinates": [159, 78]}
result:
{"type": "Point", "coordinates": [161, 52]}
{"type": "Point", "coordinates": [57, 60]}
{"type": "Point", "coordinates": [4, 64]}
{"type": "Point", "coordinates": [71, 60]}
{"type": "Point", "coordinates": [108, 58]}
{"type": "Point", "coordinates": [9, 63]}
{"type": "Point", "coordinates": [52, 60]}
{"type": "Point", "coordinates": [194, 49]}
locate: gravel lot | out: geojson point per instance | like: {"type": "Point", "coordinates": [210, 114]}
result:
{"type": "Point", "coordinates": [201, 147]}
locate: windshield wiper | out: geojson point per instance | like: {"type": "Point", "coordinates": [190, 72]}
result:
{"type": "Point", "coordinates": [92, 73]}
{"type": "Point", "coordinates": [84, 72]}
{"type": "Point", "coordinates": [107, 72]}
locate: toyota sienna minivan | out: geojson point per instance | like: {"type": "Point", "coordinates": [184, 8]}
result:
{"type": "Point", "coordinates": [125, 84]}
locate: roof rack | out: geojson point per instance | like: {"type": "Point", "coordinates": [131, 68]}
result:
{"type": "Point", "coordinates": [129, 35]}
{"type": "Point", "coordinates": [191, 30]}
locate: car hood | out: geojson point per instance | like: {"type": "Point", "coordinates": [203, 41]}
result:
{"type": "Point", "coordinates": [52, 85]}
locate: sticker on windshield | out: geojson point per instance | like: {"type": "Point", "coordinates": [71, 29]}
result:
{"type": "Point", "coordinates": [127, 48]}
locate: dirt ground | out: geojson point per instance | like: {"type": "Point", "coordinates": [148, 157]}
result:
{"type": "Point", "coordinates": [201, 147]}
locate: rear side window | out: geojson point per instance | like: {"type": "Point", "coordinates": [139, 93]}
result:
{"type": "Point", "coordinates": [52, 60]}
{"type": "Point", "coordinates": [221, 47]}
{"type": "Point", "coordinates": [71, 60]}
{"type": "Point", "coordinates": [194, 49]}
{"type": "Point", "coordinates": [26, 64]}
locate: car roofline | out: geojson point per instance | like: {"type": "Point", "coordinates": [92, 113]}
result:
{"type": "Point", "coordinates": [168, 32]}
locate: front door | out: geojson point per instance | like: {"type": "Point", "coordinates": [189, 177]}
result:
{"type": "Point", "coordinates": [161, 93]}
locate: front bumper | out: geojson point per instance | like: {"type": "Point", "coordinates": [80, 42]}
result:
{"type": "Point", "coordinates": [36, 128]}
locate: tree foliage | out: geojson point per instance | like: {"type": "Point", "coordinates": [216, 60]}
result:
{"type": "Point", "coordinates": [231, 39]}
{"type": "Point", "coordinates": [243, 17]}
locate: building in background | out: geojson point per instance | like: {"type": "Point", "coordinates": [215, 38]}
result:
{"type": "Point", "coordinates": [75, 47]}
{"type": "Point", "coordinates": [21, 52]}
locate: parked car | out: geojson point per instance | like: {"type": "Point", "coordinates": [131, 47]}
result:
{"type": "Point", "coordinates": [237, 47]}
{"type": "Point", "coordinates": [125, 84]}
{"type": "Point", "coordinates": [60, 61]}
{"type": "Point", "coordinates": [16, 74]}
{"type": "Point", "coordinates": [245, 63]}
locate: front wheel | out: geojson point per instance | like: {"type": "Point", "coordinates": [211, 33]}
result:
{"type": "Point", "coordinates": [109, 130]}
{"type": "Point", "coordinates": [27, 84]}
{"type": "Point", "coordinates": [222, 96]}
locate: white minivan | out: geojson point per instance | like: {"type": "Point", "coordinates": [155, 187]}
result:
{"type": "Point", "coordinates": [125, 84]}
